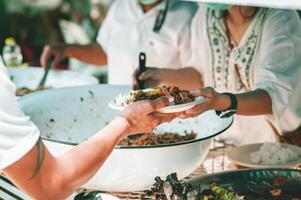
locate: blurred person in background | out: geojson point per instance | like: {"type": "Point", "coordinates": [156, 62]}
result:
{"type": "Point", "coordinates": [160, 28]}
{"type": "Point", "coordinates": [254, 55]}
{"type": "Point", "coordinates": [27, 162]}
{"type": "Point", "coordinates": [34, 23]}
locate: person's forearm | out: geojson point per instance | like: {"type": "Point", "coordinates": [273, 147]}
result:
{"type": "Point", "coordinates": [257, 102]}
{"type": "Point", "coordinates": [186, 78]}
{"type": "Point", "coordinates": [91, 53]}
{"type": "Point", "coordinates": [60, 176]}
{"type": "Point", "coordinates": [84, 160]}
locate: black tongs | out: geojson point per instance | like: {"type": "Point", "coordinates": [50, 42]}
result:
{"type": "Point", "coordinates": [142, 68]}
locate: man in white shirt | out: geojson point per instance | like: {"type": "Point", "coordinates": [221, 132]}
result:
{"type": "Point", "coordinates": [131, 27]}
{"type": "Point", "coordinates": [27, 162]}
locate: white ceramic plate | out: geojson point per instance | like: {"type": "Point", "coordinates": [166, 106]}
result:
{"type": "Point", "coordinates": [169, 109]}
{"type": "Point", "coordinates": [241, 156]}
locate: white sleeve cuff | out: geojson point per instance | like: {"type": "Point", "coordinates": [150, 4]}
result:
{"type": "Point", "coordinates": [19, 150]}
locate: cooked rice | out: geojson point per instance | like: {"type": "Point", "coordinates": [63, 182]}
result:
{"type": "Point", "coordinates": [273, 154]}
{"type": "Point", "coordinates": [121, 100]}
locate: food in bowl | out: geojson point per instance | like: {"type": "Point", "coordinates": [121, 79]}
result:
{"type": "Point", "coordinates": [180, 96]}
{"type": "Point", "coordinates": [150, 139]}
{"type": "Point", "coordinates": [24, 90]}
{"type": "Point", "coordinates": [273, 154]}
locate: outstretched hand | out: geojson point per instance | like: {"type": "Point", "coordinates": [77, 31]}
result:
{"type": "Point", "coordinates": [142, 115]}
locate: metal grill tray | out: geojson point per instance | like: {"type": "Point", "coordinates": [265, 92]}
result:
{"type": "Point", "coordinates": [257, 183]}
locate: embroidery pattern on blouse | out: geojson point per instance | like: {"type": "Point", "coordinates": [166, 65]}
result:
{"type": "Point", "coordinates": [231, 68]}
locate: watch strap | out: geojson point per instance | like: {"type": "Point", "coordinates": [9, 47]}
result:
{"type": "Point", "coordinates": [232, 108]}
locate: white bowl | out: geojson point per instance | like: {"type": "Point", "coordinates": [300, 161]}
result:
{"type": "Point", "coordinates": [241, 156]}
{"type": "Point", "coordinates": [79, 112]}
{"type": "Point", "coordinates": [30, 77]}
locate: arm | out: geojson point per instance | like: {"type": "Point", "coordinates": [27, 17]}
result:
{"type": "Point", "coordinates": [59, 176]}
{"type": "Point", "coordinates": [91, 53]}
{"type": "Point", "coordinates": [186, 78]}
{"type": "Point", "coordinates": [257, 102]}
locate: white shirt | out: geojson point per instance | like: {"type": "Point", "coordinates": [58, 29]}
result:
{"type": "Point", "coordinates": [18, 134]}
{"type": "Point", "coordinates": [274, 65]}
{"type": "Point", "coordinates": [127, 31]}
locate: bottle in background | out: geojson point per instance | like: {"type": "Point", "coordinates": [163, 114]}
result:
{"type": "Point", "coordinates": [12, 55]}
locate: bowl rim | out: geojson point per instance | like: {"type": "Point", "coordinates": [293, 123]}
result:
{"type": "Point", "coordinates": [150, 146]}
{"type": "Point", "coordinates": [201, 178]}
{"type": "Point", "coordinates": [25, 97]}
{"type": "Point", "coordinates": [36, 69]}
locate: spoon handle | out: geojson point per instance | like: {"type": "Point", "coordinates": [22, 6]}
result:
{"type": "Point", "coordinates": [46, 71]}
{"type": "Point", "coordinates": [142, 68]}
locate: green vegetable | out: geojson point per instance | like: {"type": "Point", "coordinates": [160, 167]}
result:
{"type": "Point", "coordinates": [216, 192]}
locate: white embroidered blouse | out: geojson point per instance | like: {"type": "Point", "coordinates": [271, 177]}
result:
{"type": "Point", "coordinates": [268, 57]}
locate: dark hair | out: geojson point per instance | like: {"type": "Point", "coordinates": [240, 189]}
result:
{"type": "Point", "coordinates": [40, 158]}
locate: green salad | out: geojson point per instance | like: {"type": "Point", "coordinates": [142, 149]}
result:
{"type": "Point", "coordinates": [173, 189]}
{"type": "Point", "coordinates": [216, 192]}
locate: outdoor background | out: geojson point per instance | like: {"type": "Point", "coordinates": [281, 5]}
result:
{"type": "Point", "coordinates": [34, 23]}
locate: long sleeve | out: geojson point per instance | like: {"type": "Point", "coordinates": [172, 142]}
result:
{"type": "Point", "coordinates": [279, 69]}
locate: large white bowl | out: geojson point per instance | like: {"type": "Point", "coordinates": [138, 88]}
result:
{"type": "Point", "coordinates": [30, 77]}
{"type": "Point", "coordinates": [68, 116]}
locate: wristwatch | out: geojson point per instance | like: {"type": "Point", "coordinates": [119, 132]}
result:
{"type": "Point", "coordinates": [231, 110]}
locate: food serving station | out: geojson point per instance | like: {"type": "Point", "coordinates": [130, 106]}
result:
{"type": "Point", "coordinates": [74, 107]}
{"type": "Point", "coordinates": [69, 116]}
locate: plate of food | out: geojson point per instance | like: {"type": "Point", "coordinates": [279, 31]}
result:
{"type": "Point", "coordinates": [183, 100]}
{"type": "Point", "coordinates": [251, 184]}
{"type": "Point", "coordinates": [262, 155]}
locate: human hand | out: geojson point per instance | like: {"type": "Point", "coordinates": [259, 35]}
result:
{"type": "Point", "coordinates": [213, 101]}
{"type": "Point", "coordinates": [56, 52]}
{"type": "Point", "coordinates": [152, 77]}
{"type": "Point", "coordinates": [142, 116]}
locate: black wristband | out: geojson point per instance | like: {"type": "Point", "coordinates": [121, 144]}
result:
{"type": "Point", "coordinates": [232, 108]}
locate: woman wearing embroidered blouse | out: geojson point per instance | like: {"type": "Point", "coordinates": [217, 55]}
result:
{"type": "Point", "coordinates": [254, 53]}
